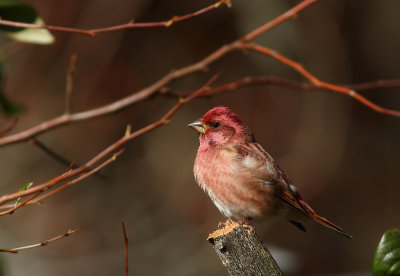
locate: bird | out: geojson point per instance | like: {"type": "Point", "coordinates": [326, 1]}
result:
{"type": "Point", "coordinates": [241, 178]}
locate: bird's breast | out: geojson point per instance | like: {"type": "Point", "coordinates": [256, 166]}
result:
{"type": "Point", "coordinates": [232, 185]}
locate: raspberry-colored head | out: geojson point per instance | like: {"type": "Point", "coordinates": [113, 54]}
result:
{"type": "Point", "coordinates": [221, 126]}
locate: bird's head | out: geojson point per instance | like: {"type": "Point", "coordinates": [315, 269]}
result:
{"type": "Point", "coordinates": [221, 126]}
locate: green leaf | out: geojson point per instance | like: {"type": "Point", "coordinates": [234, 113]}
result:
{"type": "Point", "coordinates": [23, 188]}
{"type": "Point", "coordinates": [387, 255]}
{"type": "Point", "coordinates": [8, 107]}
{"type": "Point", "coordinates": [21, 12]}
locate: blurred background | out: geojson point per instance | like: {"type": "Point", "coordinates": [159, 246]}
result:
{"type": "Point", "coordinates": [343, 157]}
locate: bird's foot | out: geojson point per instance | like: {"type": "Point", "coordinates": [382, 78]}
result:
{"type": "Point", "coordinates": [221, 225]}
{"type": "Point", "coordinates": [243, 222]}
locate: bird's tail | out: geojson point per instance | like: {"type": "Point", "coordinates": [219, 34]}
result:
{"type": "Point", "coordinates": [321, 220]}
{"type": "Point", "coordinates": [296, 201]}
{"type": "Point", "coordinates": [328, 224]}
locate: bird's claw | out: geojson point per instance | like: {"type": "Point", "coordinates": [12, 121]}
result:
{"type": "Point", "coordinates": [249, 227]}
{"type": "Point", "coordinates": [221, 225]}
{"type": "Point", "coordinates": [243, 222]}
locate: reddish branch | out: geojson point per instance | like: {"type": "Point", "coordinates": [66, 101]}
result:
{"type": "Point", "coordinates": [75, 175]}
{"type": "Point", "coordinates": [148, 91]}
{"type": "Point", "coordinates": [23, 203]}
{"type": "Point", "coordinates": [239, 44]}
{"type": "Point", "coordinates": [374, 84]}
{"type": "Point", "coordinates": [43, 243]}
{"type": "Point", "coordinates": [272, 80]}
{"type": "Point", "coordinates": [9, 128]}
{"type": "Point", "coordinates": [34, 191]}
{"type": "Point", "coordinates": [83, 171]}
{"type": "Point", "coordinates": [78, 179]}
{"type": "Point", "coordinates": [126, 248]}
{"type": "Point", "coordinates": [129, 25]}
{"type": "Point", "coordinates": [291, 13]}
{"type": "Point", "coordinates": [70, 82]}
{"type": "Point", "coordinates": [314, 80]}
{"type": "Point", "coordinates": [61, 159]}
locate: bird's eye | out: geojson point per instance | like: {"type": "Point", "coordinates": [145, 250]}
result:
{"type": "Point", "coordinates": [215, 124]}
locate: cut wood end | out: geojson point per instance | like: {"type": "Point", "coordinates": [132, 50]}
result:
{"type": "Point", "coordinates": [229, 226]}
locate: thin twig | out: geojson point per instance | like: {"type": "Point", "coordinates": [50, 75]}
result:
{"type": "Point", "coordinates": [314, 80]}
{"type": "Point", "coordinates": [145, 93]}
{"type": "Point", "coordinates": [140, 95]}
{"type": "Point", "coordinates": [303, 86]}
{"type": "Point", "coordinates": [23, 203]}
{"type": "Point", "coordinates": [374, 84]}
{"type": "Point", "coordinates": [78, 179]}
{"type": "Point", "coordinates": [248, 81]}
{"type": "Point", "coordinates": [291, 13]}
{"type": "Point", "coordinates": [129, 25]}
{"type": "Point", "coordinates": [126, 248]}
{"type": "Point", "coordinates": [272, 80]}
{"type": "Point", "coordinates": [107, 151]}
{"type": "Point", "coordinates": [201, 65]}
{"type": "Point", "coordinates": [43, 243]}
{"type": "Point", "coordinates": [34, 141]}
{"type": "Point", "coordinates": [9, 128]}
{"type": "Point", "coordinates": [70, 82]}
{"type": "Point", "coordinates": [30, 200]}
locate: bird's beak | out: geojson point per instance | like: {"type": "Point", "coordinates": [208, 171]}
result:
{"type": "Point", "coordinates": [198, 126]}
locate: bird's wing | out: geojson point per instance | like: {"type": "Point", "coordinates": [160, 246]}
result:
{"type": "Point", "coordinates": [282, 187]}
{"type": "Point", "coordinates": [269, 171]}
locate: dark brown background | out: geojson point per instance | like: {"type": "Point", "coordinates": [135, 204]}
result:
{"type": "Point", "coordinates": [343, 157]}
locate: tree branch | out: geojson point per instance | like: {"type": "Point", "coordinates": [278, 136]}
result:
{"type": "Point", "coordinates": [70, 82]}
{"type": "Point", "coordinates": [126, 248]}
{"type": "Point", "coordinates": [201, 65]}
{"type": "Point", "coordinates": [23, 203]}
{"type": "Point", "coordinates": [9, 128]}
{"type": "Point", "coordinates": [37, 190]}
{"type": "Point", "coordinates": [242, 252]}
{"type": "Point", "coordinates": [82, 171]}
{"type": "Point", "coordinates": [43, 243]}
{"type": "Point", "coordinates": [35, 142]}
{"type": "Point", "coordinates": [314, 80]}
{"type": "Point", "coordinates": [129, 25]}
{"type": "Point", "coordinates": [291, 13]}
{"type": "Point", "coordinates": [265, 80]}
{"type": "Point", "coordinates": [146, 92]}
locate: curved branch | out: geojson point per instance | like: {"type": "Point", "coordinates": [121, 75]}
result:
{"type": "Point", "coordinates": [81, 172]}
{"type": "Point", "coordinates": [9, 128]}
{"type": "Point", "coordinates": [129, 25]}
{"type": "Point", "coordinates": [50, 184]}
{"type": "Point", "coordinates": [43, 243]}
{"type": "Point", "coordinates": [272, 80]}
{"type": "Point", "coordinates": [146, 92]}
{"type": "Point", "coordinates": [314, 80]}
{"type": "Point", "coordinates": [278, 20]}
{"type": "Point", "coordinates": [201, 65]}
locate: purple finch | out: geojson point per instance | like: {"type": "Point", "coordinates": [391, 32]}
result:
{"type": "Point", "coordinates": [241, 178]}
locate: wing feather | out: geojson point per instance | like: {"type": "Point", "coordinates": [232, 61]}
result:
{"type": "Point", "coordinates": [269, 170]}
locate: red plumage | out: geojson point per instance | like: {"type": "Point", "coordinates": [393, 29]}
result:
{"type": "Point", "coordinates": [241, 178]}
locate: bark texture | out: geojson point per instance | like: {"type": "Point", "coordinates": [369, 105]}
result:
{"type": "Point", "coordinates": [242, 252]}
